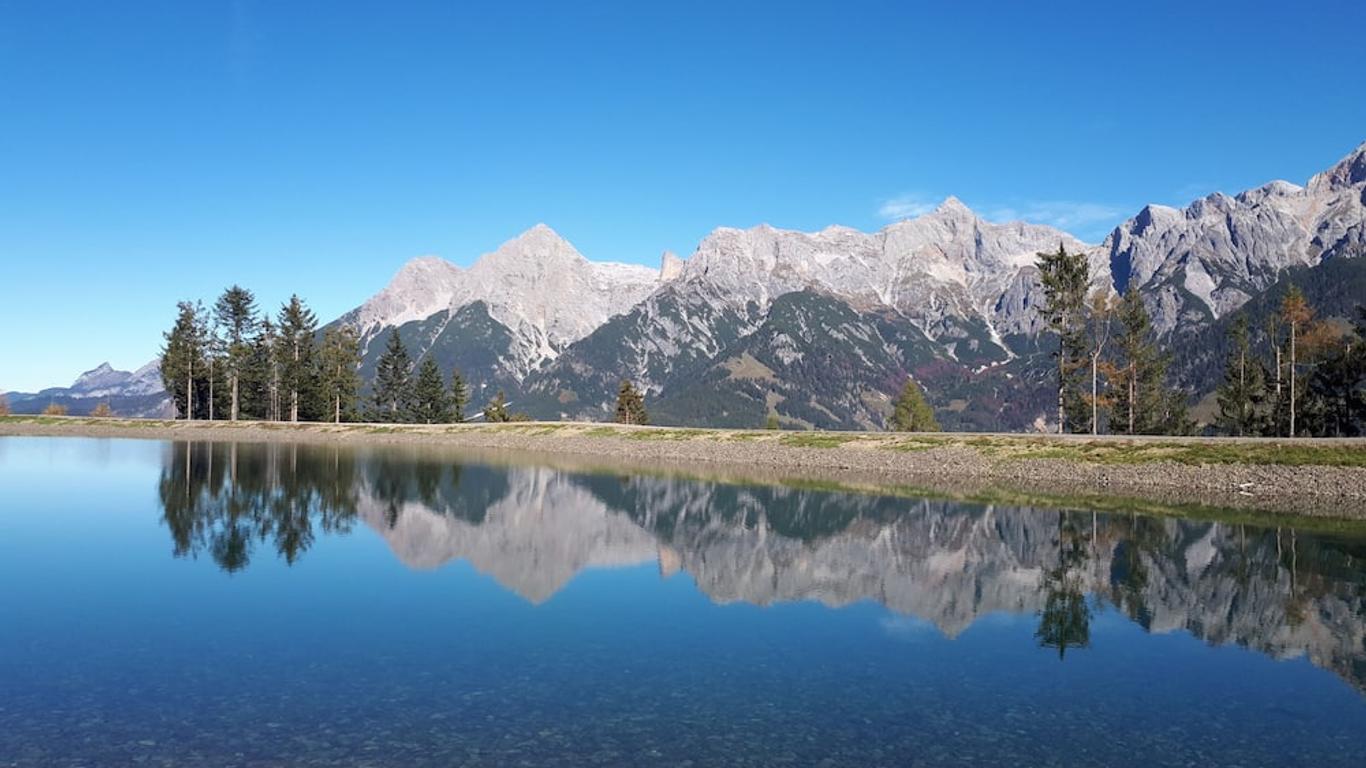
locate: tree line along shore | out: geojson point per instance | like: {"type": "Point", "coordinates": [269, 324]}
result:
{"type": "Point", "coordinates": [1297, 376]}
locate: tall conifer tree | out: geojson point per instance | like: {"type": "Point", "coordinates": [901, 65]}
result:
{"type": "Point", "coordinates": [337, 375]}
{"type": "Point", "coordinates": [182, 358]}
{"type": "Point", "coordinates": [297, 328]}
{"type": "Point", "coordinates": [630, 404]}
{"type": "Point", "coordinates": [431, 403]}
{"type": "Point", "coordinates": [235, 312]}
{"type": "Point", "coordinates": [460, 396]}
{"type": "Point", "coordinates": [1065, 277]}
{"type": "Point", "coordinates": [392, 393]}
{"type": "Point", "coordinates": [1243, 390]}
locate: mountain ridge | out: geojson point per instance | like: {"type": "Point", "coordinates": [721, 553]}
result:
{"type": "Point", "coordinates": [948, 297]}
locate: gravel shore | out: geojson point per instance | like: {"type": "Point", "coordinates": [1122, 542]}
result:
{"type": "Point", "coordinates": [956, 465]}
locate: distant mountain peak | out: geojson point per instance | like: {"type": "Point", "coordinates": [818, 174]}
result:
{"type": "Point", "coordinates": [953, 205]}
{"type": "Point", "coordinates": [1350, 171]}
{"type": "Point", "coordinates": [670, 266]}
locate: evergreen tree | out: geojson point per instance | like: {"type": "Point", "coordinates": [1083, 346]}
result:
{"type": "Point", "coordinates": [1243, 391]}
{"type": "Point", "coordinates": [912, 413]}
{"type": "Point", "coordinates": [393, 387]}
{"type": "Point", "coordinates": [1065, 277]}
{"type": "Point", "coordinates": [431, 404]}
{"type": "Point", "coordinates": [337, 375]}
{"type": "Point", "coordinates": [630, 404]}
{"type": "Point", "coordinates": [182, 358]}
{"type": "Point", "coordinates": [460, 396]}
{"type": "Point", "coordinates": [295, 354]}
{"type": "Point", "coordinates": [235, 313]}
{"type": "Point", "coordinates": [260, 375]}
{"type": "Point", "coordinates": [1141, 403]}
{"type": "Point", "coordinates": [497, 409]}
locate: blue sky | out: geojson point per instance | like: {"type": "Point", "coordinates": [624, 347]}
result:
{"type": "Point", "coordinates": [151, 152]}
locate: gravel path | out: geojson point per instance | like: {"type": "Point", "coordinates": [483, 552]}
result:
{"type": "Point", "coordinates": [953, 467]}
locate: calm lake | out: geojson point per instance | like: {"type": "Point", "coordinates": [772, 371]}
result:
{"type": "Point", "coordinates": [270, 605]}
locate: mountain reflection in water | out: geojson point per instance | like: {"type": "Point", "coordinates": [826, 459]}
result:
{"type": "Point", "coordinates": [1280, 591]}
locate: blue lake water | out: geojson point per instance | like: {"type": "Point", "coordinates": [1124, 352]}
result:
{"type": "Point", "coordinates": [270, 605]}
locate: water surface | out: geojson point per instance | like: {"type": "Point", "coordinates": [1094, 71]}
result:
{"type": "Point", "coordinates": [262, 605]}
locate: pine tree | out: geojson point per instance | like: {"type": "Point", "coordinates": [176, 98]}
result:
{"type": "Point", "coordinates": [260, 375]}
{"type": "Point", "coordinates": [1065, 277]}
{"type": "Point", "coordinates": [337, 374]}
{"type": "Point", "coordinates": [460, 396]}
{"type": "Point", "coordinates": [497, 410]}
{"type": "Point", "coordinates": [912, 412]}
{"type": "Point", "coordinates": [235, 313]}
{"type": "Point", "coordinates": [1243, 391]}
{"type": "Point", "coordinates": [630, 404]}
{"type": "Point", "coordinates": [295, 354]}
{"type": "Point", "coordinates": [182, 358]}
{"type": "Point", "coordinates": [393, 388]}
{"type": "Point", "coordinates": [431, 404]}
{"type": "Point", "coordinates": [1141, 402]}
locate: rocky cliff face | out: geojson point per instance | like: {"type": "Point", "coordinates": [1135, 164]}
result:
{"type": "Point", "coordinates": [542, 290]}
{"type": "Point", "coordinates": [1198, 264]}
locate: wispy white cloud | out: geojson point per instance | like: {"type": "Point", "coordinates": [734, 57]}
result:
{"type": "Point", "coordinates": [907, 628]}
{"type": "Point", "coordinates": [906, 206]}
{"type": "Point", "coordinates": [1069, 215]}
{"type": "Point", "coordinates": [1087, 220]}
{"type": "Point", "coordinates": [1193, 191]}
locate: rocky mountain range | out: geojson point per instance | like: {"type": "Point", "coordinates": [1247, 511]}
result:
{"type": "Point", "coordinates": [130, 393]}
{"type": "Point", "coordinates": [820, 329]}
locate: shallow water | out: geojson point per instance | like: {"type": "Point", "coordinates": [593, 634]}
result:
{"type": "Point", "coordinates": [263, 605]}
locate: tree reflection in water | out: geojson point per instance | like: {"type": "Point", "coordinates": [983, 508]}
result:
{"type": "Point", "coordinates": [1282, 591]}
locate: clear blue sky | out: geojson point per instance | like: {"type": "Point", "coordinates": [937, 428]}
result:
{"type": "Point", "coordinates": [151, 152]}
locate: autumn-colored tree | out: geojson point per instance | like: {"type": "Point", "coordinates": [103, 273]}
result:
{"type": "Point", "coordinates": [1296, 315]}
{"type": "Point", "coordinates": [54, 409]}
{"type": "Point", "coordinates": [4, 405]}
{"type": "Point", "coordinates": [102, 411]}
{"type": "Point", "coordinates": [1098, 334]}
